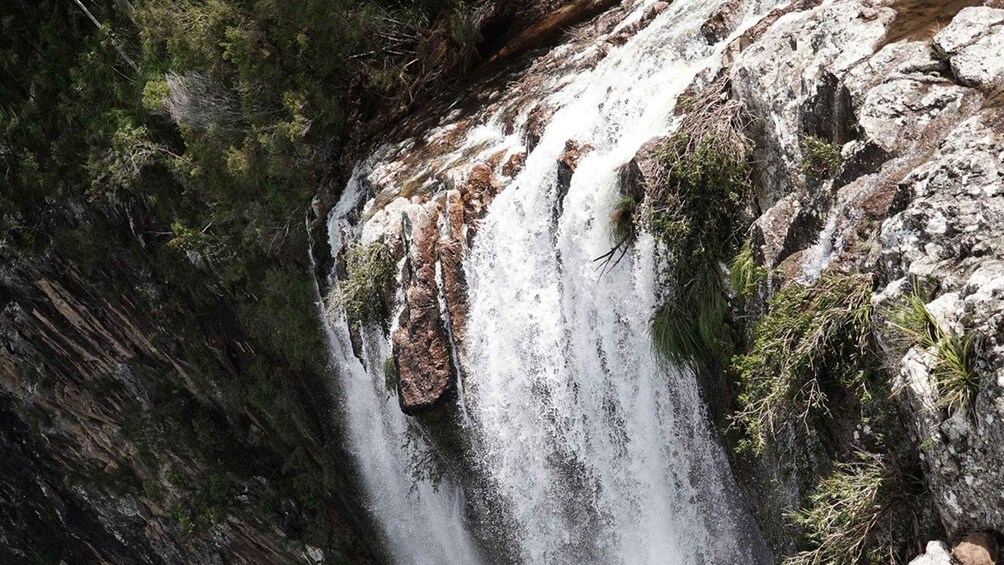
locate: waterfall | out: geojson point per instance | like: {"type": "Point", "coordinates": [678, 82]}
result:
{"type": "Point", "coordinates": [600, 451]}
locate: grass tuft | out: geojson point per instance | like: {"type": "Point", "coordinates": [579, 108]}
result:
{"type": "Point", "coordinates": [956, 381]}
{"type": "Point", "coordinates": [809, 334]}
{"type": "Point", "coordinates": [693, 211]}
{"type": "Point", "coordinates": [744, 273]}
{"type": "Point", "coordinates": [844, 519]}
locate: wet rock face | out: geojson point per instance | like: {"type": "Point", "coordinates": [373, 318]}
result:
{"type": "Point", "coordinates": [421, 345]}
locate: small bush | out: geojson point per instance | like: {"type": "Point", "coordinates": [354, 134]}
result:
{"type": "Point", "coordinates": [744, 273]}
{"type": "Point", "coordinates": [953, 373]}
{"type": "Point", "coordinates": [693, 212]}
{"type": "Point", "coordinates": [849, 517]}
{"type": "Point", "coordinates": [809, 333]}
{"type": "Point", "coordinates": [821, 158]}
{"type": "Point", "coordinates": [369, 270]}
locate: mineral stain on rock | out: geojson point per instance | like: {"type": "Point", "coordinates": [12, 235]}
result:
{"type": "Point", "coordinates": [919, 20]}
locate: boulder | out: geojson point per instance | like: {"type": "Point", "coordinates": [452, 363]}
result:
{"type": "Point", "coordinates": [973, 44]}
{"type": "Point", "coordinates": [421, 345]}
{"type": "Point", "coordinates": [976, 549]}
{"type": "Point", "coordinates": [936, 554]}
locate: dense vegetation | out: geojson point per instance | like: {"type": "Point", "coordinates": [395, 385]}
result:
{"type": "Point", "coordinates": [181, 141]}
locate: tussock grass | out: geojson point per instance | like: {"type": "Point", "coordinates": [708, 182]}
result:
{"type": "Point", "coordinates": [369, 270]}
{"type": "Point", "coordinates": [744, 273]}
{"type": "Point", "coordinates": [953, 373]}
{"type": "Point", "coordinates": [810, 333]}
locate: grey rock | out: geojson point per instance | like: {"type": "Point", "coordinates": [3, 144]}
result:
{"type": "Point", "coordinates": [936, 554]}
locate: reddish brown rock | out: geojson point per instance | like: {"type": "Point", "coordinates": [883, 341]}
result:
{"type": "Point", "coordinates": [514, 164]}
{"type": "Point", "coordinates": [451, 251]}
{"type": "Point", "coordinates": [480, 189]}
{"type": "Point", "coordinates": [569, 161]}
{"type": "Point", "coordinates": [976, 549]}
{"type": "Point", "coordinates": [535, 124]}
{"type": "Point", "coordinates": [722, 22]}
{"type": "Point", "coordinates": [421, 344]}
{"type": "Point", "coordinates": [622, 36]}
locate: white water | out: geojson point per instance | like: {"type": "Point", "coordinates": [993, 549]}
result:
{"type": "Point", "coordinates": [599, 452]}
{"type": "Point", "coordinates": [421, 524]}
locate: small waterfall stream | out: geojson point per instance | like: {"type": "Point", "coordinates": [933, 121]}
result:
{"type": "Point", "coordinates": [600, 451]}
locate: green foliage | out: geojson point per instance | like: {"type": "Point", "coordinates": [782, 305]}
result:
{"type": "Point", "coordinates": [390, 375]}
{"type": "Point", "coordinates": [693, 327]}
{"type": "Point", "coordinates": [821, 158]}
{"type": "Point", "coordinates": [850, 515]}
{"type": "Point", "coordinates": [956, 380]}
{"type": "Point", "coordinates": [744, 273]}
{"type": "Point", "coordinates": [694, 212]}
{"type": "Point", "coordinates": [810, 335]}
{"type": "Point", "coordinates": [155, 94]}
{"type": "Point", "coordinates": [369, 272]}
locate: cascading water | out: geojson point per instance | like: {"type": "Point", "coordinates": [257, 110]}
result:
{"type": "Point", "coordinates": [422, 523]}
{"type": "Point", "coordinates": [598, 451]}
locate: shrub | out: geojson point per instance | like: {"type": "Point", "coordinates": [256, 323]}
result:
{"type": "Point", "coordinates": [848, 519]}
{"type": "Point", "coordinates": [957, 383]}
{"type": "Point", "coordinates": [693, 211]}
{"type": "Point", "coordinates": [808, 334]}
{"type": "Point", "coordinates": [821, 158]}
{"type": "Point", "coordinates": [390, 375]}
{"type": "Point", "coordinates": [369, 270]}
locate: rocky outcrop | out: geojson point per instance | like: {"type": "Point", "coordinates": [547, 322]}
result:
{"type": "Point", "coordinates": [972, 45]}
{"type": "Point", "coordinates": [918, 197]}
{"type": "Point", "coordinates": [916, 121]}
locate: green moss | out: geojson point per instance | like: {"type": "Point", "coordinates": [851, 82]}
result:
{"type": "Point", "coordinates": [821, 159]}
{"type": "Point", "coordinates": [362, 293]}
{"type": "Point", "coordinates": [811, 335]}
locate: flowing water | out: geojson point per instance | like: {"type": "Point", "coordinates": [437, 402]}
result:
{"type": "Point", "coordinates": [597, 451]}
